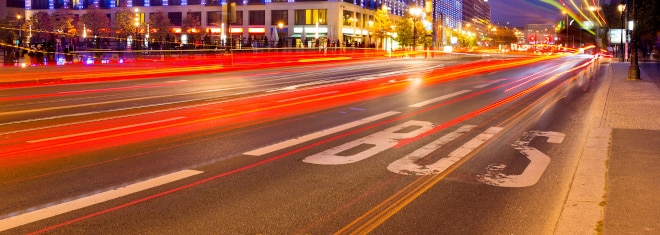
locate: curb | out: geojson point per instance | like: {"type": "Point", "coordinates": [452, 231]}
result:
{"type": "Point", "coordinates": [583, 211]}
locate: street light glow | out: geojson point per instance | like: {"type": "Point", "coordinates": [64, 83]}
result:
{"type": "Point", "coordinates": [416, 11]}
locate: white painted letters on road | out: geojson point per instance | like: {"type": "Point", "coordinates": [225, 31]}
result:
{"type": "Point", "coordinates": [533, 172]}
{"type": "Point", "coordinates": [368, 146]}
{"type": "Point", "coordinates": [407, 165]}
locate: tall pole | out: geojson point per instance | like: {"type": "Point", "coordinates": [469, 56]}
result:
{"type": "Point", "coordinates": [137, 26]}
{"type": "Point", "coordinates": [566, 29]}
{"type": "Point", "coordinates": [414, 33]}
{"type": "Point", "coordinates": [566, 26]}
{"type": "Point", "coordinates": [633, 70]}
{"type": "Point", "coordinates": [622, 8]}
{"type": "Point", "coordinates": [415, 12]}
{"type": "Point", "coordinates": [20, 30]}
{"type": "Point", "coordinates": [580, 43]}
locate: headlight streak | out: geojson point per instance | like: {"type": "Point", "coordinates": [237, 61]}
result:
{"type": "Point", "coordinates": [4, 99]}
{"type": "Point", "coordinates": [460, 119]}
{"type": "Point", "coordinates": [534, 76]}
{"type": "Point", "coordinates": [190, 185]}
{"type": "Point", "coordinates": [202, 65]}
{"type": "Point", "coordinates": [235, 119]}
{"type": "Point", "coordinates": [155, 105]}
{"type": "Point", "coordinates": [378, 214]}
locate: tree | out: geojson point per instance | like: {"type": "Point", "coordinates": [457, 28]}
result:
{"type": "Point", "coordinates": [95, 21]}
{"type": "Point", "coordinates": [8, 30]}
{"type": "Point", "coordinates": [161, 25]}
{"type": "Point", "coordinates": [42, 26]}
{"type": "Point", "coordinates": [189, 24]}
{"type": "Point", "coordinates": [62, 22]}
{"type": "Point", "coordinates": [648, 17]}
{"type": "Point", "coordinates": [191, 21]}
{"type": "Point", "coordinates": [466, 40]}
{"type": "Point", "coordinates": [382, 24]}
{"type": "Point", "coordinates": [405, 32]}
{"type": "Point", "coordinates": [124, 24]}
{"type": "Point", "coordinates": [506, 36]}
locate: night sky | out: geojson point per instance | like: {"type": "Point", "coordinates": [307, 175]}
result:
{"type": "Point", "coordinates": [521, 12]}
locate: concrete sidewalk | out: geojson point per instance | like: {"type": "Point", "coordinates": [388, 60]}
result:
{"type": "Point", "coordinates": [633, 179]}
{"type": "Point", "coordinates": [616, 187]}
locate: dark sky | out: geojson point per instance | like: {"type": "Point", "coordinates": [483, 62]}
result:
{"type": "Point", "coordinates": [521, 12]}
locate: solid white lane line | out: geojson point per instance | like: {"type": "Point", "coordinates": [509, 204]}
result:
{"type": "Point", "coordinates": [424, 103]}
{"type": "Point", "coordinates": [305, 138]}
{"type": "Point", "coordinates": [65, 207]}
{"type": "Point", "coordinates": [100, 131]}
{"type": "Point", "coordinates": [307, 96]}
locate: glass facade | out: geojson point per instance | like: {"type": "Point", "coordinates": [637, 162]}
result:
{"type": "Point", "coordinates": [451, 12]}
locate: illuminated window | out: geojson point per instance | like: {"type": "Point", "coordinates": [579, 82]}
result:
{"type": "Point", "coordinates": [348, 18]}
{"type": "Point", "coordinates": [311, 16]}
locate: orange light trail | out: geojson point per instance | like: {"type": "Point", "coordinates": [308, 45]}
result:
{"type": "Point", "coordinates": [289, 153]}
{"type": "Point", "coordinates": [230, 115]}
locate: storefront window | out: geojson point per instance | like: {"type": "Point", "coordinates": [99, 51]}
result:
{"type": "Point", "coordinates": [349, 18]}
{"type": "Point", "coordinates": [311, 16]}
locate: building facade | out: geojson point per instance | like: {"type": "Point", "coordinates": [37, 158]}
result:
{"type": "Point", "coordinates": [345, 21]}
{"type": "Point", "coordinates": [476, 14]}
{"type": "Point", "coordinates": [540, 34]}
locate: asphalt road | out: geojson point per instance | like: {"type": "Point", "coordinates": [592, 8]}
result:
{"type": "Point", "coordinates": [433, 148]}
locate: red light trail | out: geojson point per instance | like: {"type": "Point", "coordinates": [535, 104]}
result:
{"type": "Point", "coordinates": [452, 122]}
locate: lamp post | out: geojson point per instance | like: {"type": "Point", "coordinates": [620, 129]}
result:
{"type": "Point", "coordinates": [566, 26]}
{"type": "Point", "coordinates": [416, 13]}
{"type": "Point", "coordinates": [633, 70]}
{"type": "Point", "coordinates": [280, 25]}
{"type": "Point", "coordinates": [137, 27]}
{"type": "Point", "coordinates": [622, 8]}
{"type": "Point", "coordinates": [594, 9]}
{"type": "Point", "coordinates": [20, 30]}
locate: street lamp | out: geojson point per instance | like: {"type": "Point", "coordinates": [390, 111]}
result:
{"type": "Point", "coordinates": [280, 25]}
{"type": "Point", "coordinates": [20, 30]}
{"type": "Point", "coordinates": [566, 27]}
{"type": "Point", "coordinates": [137, 27]}
{"type": "Point", "coordinates": [622, 8]}
{"type": "Point", "coordinates": [597, 26]}
{"type": "Point", "coordinates": [633, 70]}
{"type": "Point", "coordinates": [416, 13]}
